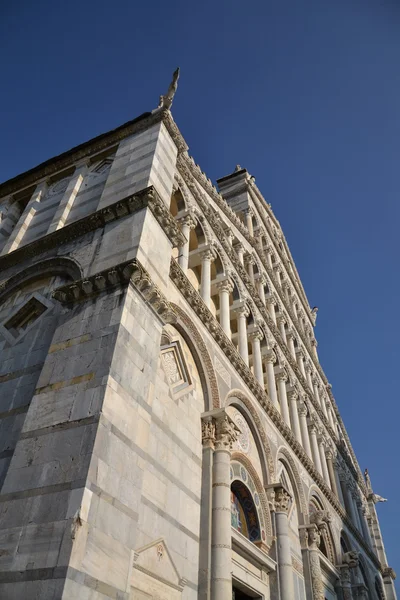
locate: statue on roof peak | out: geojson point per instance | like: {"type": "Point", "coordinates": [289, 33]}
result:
{"type": "Point", "coordinates": [167, 99]}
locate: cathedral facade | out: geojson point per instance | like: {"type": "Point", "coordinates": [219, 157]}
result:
{"type": "Point", "coordinates": [167, 431]}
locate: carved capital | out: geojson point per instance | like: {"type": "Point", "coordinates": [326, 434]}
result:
{"type": "Point", "coordinates": [208, 432]}
{"type": "Point", "coordinates": [207, 255]}
{"type": "Point", "coordinates": [292, 393]}
{"type": "Point", "coordinates": [389, 572]}
{"type": "Point", "coordinates": [226, 432]}
{"type": "Point", "coordinates": [270, 299]}
{"type": "Point", "coordinates": [241, 309]}
{"type": "Point", "coordinates": [270, 356]}
{"type": "Point", "coordinates": [302, 408]}
{"type": "Point", "coordinates": [280, 497]}
{"type": "Point", "coordinates": [281, 375]}
{"type": "Point", "coordinates": [255, 333]}
{"type": "Point", "coordinates": [225, 286]}
{"type": "Point", "coordinates": [314, 536]}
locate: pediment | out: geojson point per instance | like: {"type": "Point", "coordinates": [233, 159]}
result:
{"type": "Point", "coordinates": [155, 560]}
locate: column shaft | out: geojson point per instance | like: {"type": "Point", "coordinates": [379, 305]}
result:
{"type": "Point", "coordinates": [283, 399]}
{"type": "Point", "coordinates": [284, 555]}
{"type": "Point", "coordinates": [242, 334]}
{"type": "Point", "coordinates": [269, 365]}
{"type": "Point", "coordinates": [294, 415]}
{"type": "Point", "coordinates": [257, 360]}
{"type": "Point", "coordinates": [331, 471]}
{"type": "Point", "coordinates": [304, 429]}
{"type": "Point", "coordinates": [324, 466]}
{"type": "Point", "coordinates": [183, 257]}
{"type": "Point", "coordinates": [205, 285]}
{"type": "Point", "coordinates": [314, 449]}
{"type": "Point", "coordinates": [225, 288]}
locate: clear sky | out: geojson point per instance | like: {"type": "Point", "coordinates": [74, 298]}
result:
{"type": "Point", "coordinates": [305, 95]}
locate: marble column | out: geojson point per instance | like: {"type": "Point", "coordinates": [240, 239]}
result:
{"type": "Point", "coordinates": [270, 303]}
{"type": "Point", "coordinates": [225, 288]}
{"type": "Point", "coordinates": [314, 345]}
{"type": "Point", "coordinates": [242, 313]}
{"type": "Point", "coordinates": [323, 405]}
{"type": "Point", "coordinates": [348, 501]}
{"type": "Point", "coordinates": [187, 223]}
{"type": "Point", "coordinates": [205, 285]}
{"type": "Point", "coordinates": [281, 503]}
{"type": "Point", "coordinates": [281, 377]}
{"type": "Point", "coordinates": [331, 471]}
{"type": "Point", "coordinates": [270, 359]}
{"type": "Point", "coordinates": [67, 201]}
{"type": "Point", "coordinates": [293, 395]}
{"type": "Point", "coordinates": [290, 342]}
{"type": "Point", "coordinates": [229, 236]}
{"type": "Point", "coordinates": [256, 336]}
{"type": "Point", "coordinates": [261, 281]}
{"type": "Point", "coordinates": [300, 361]}
{"type": "Point", "coordinates": [314, 539]}
{"type": "Point", "coordinates": [302, 409]}
{"type": "Point", "coordinates": [249, 264]}
{"type": "Point", "coordinates": [281, 322]}
{"type": "Point", "coordinates": [208, 440]}
{"type": "Point", "coordinates": [309, 375]}
{"type": "Point", "coordinates": [278, 272]}
{"type": "Point", "coordinates": [316, 390]}
{"type": "Point", "coordinates": [321, 447]}
{"type": "Point", "coordinates": [286, 289]}
{"type": "Point", "coordinates": [268, 252]}
{"type": "Point", "coordinates": [249, 220]}
{"type": "Point", "coordinates": [345, 582]}
{"type": "Point", "coordinates": [238, 247]}
{"type": "Point", "coordinates": [314, 447]}
{"type": "Point", "coordinates": [221, 546]}
{"type": "Point", "coordinates": [363, 523]}
{"type": "Point", "coordinates": [329, 410]}
{"type": "Point", "coordinates": [26, 217]}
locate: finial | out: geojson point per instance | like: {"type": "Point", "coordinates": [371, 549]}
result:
{"type": "Point", "coordinates": [237, 168]}
{"type": "Point", "coordinates": [167, 99]}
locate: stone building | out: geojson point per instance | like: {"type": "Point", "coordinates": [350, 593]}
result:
{"type": "Point", "coordinates": [166, 429]}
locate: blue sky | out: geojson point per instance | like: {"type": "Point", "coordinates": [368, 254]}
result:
{"type": "Point", "coordinates": [306, 96]}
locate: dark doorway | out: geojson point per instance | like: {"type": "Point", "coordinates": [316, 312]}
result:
{"type": "Point", "coordinates": [240, 595]}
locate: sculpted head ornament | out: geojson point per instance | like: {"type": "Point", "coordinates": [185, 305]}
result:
{"type": "Point", "coordinates": [351, 559]}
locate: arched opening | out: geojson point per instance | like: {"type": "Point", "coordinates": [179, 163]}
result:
{"type": "Point", "coordinates": [197, 240]}
{"type": "Point", "coordinates": [244, 516]}
{"type": "Point", "coordinates": [326, 547]}
{"type": "Point", "coordinates": [177, 204]}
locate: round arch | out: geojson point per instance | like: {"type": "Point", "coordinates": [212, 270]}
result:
{"type": "Point", "coordinates": [184, 324]}
{"type": "Point", "coordinates": [250, 413]}
{"type": "Point", "coordinates": [51, 266]}
{"type": "Point", "coordinates": [287, 460]}
{"type": "Point", "coordinates": [315, 500]}
{"type": "Point", "coordinates": [242, 458]}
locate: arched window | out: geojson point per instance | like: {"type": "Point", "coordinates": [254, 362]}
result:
{"type": "Point", "coordinates": [246, 511]}
{"type": "Point", "coordinates": [244, 516]}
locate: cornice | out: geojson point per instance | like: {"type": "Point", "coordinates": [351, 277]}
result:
{"type": "Point", "coordinates": [117, 276]}
{"type": "Point", "coordinates": [211, 324]}
{"type": "Point", "coordinates": [127, 206]}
